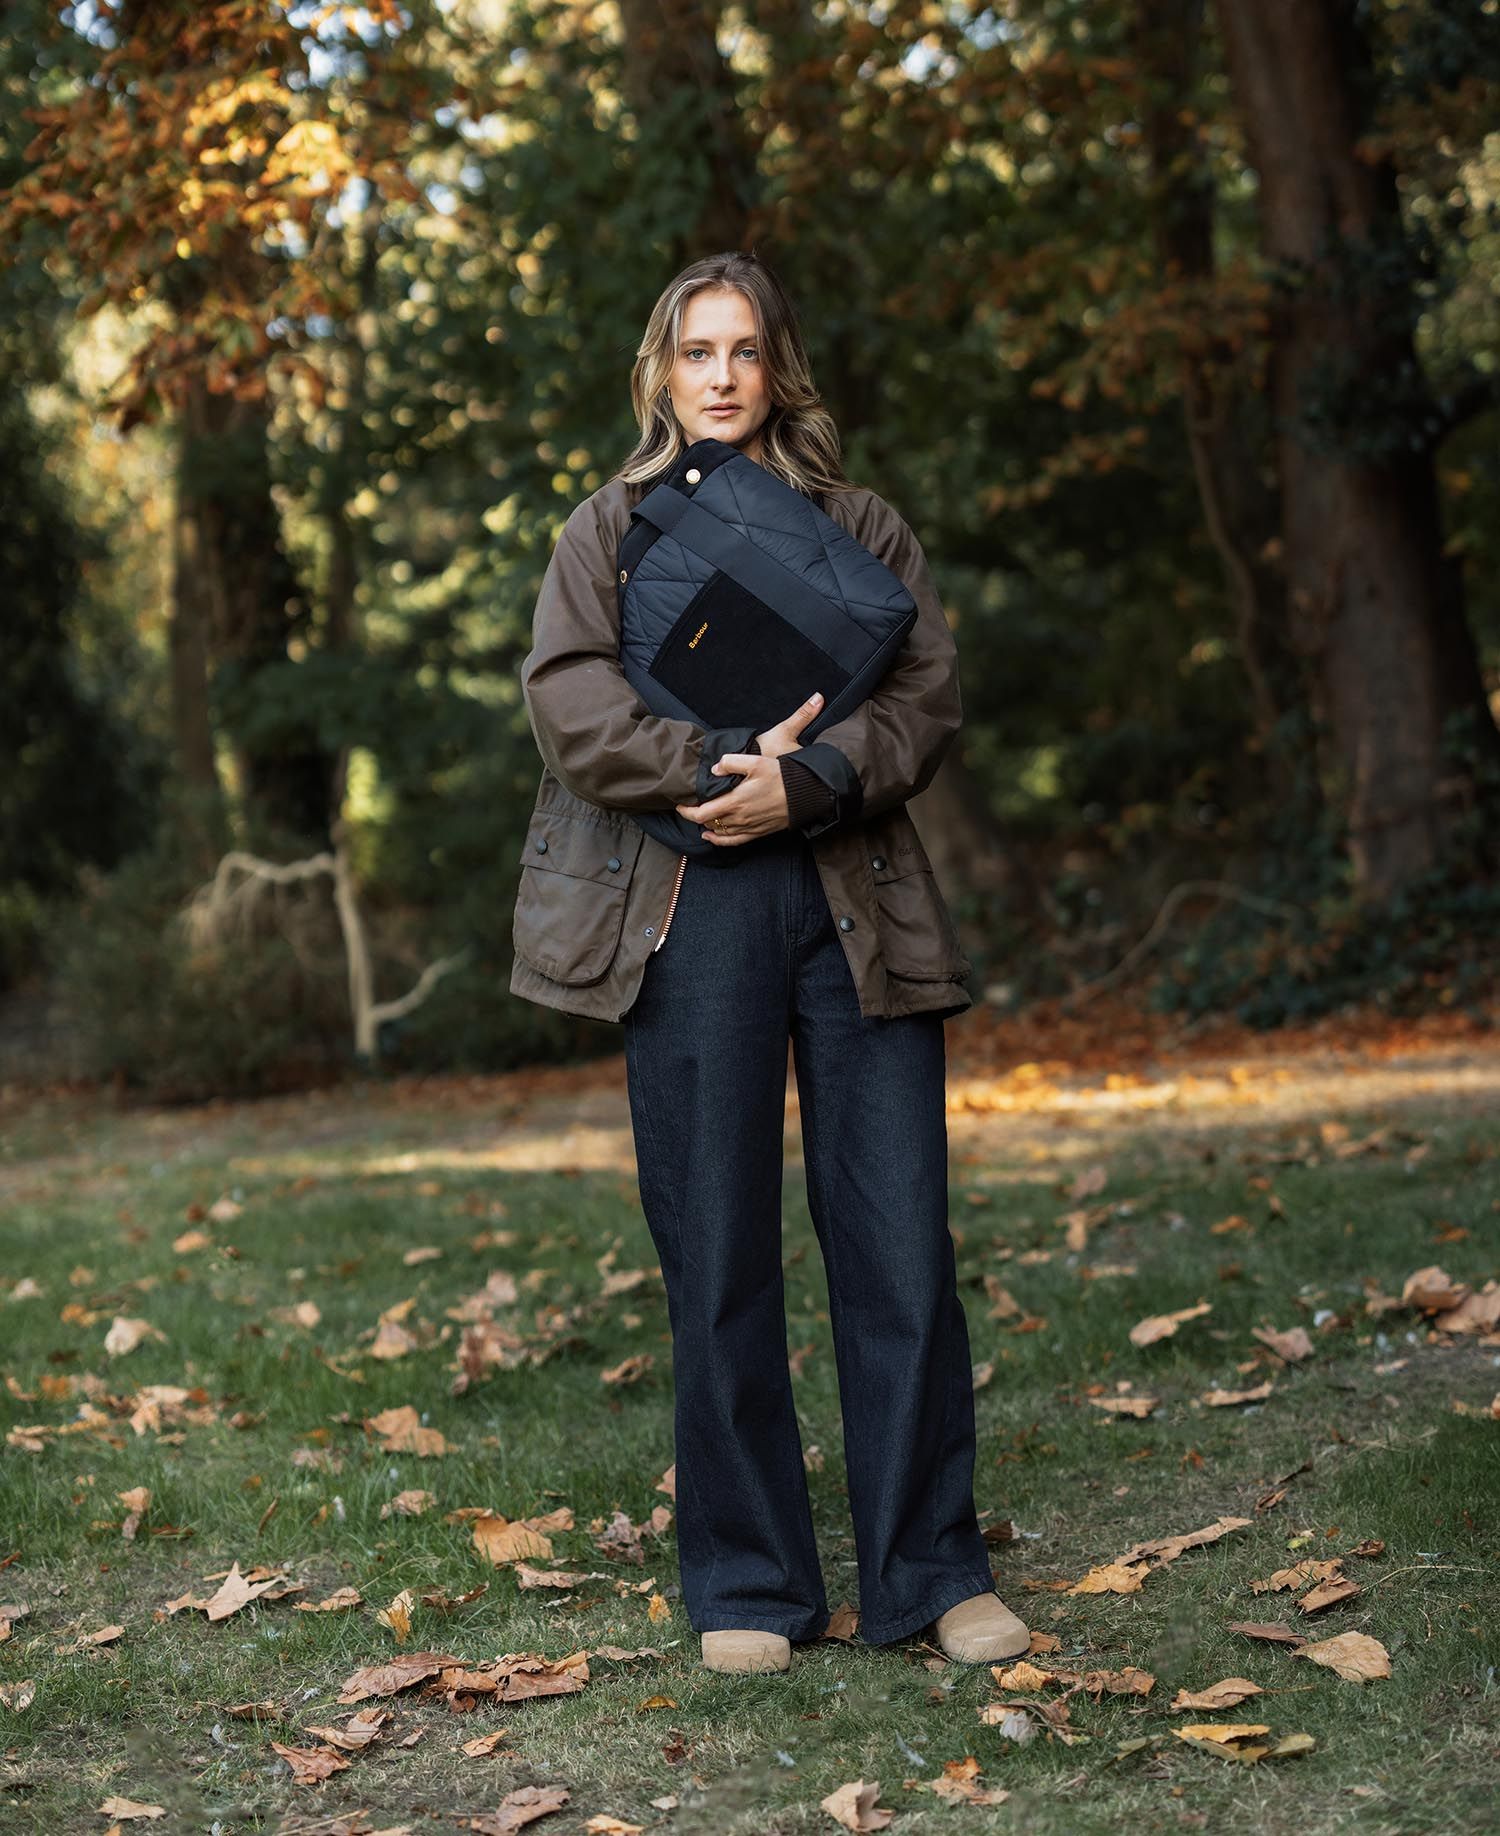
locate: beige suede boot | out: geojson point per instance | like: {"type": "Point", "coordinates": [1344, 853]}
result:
{"type": "Point", "coordinates": [981, 1630]}
{"type": "Point", "coordinates": [746, 1650]}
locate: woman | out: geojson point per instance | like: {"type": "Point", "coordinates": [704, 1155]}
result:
{"type": "Point", "coordinates": [815, 920]}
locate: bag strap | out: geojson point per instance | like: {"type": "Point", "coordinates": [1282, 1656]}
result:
{"type": "Point", "coordinates": [758, 572]}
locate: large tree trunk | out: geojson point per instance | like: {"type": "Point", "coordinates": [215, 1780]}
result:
{"type": "Point", "coordinates": [1373, 604]}
{"type": "Point", "coordinates": [244, 593]}
{"type": "Point", "coordinates": [1226, 433]}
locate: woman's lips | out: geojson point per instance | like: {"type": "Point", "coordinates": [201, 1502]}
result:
{"type": "Point", "coordinates": [723, 413]}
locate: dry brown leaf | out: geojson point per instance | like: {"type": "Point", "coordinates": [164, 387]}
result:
{"type": "Point", "coordinates": [629, 1370]}
{"type": "Point", "coordinates": [124, 1335]}
{"type": "Point", "coordinates": [520, 1807]}
{"type": "Point", "coordinates": [305, 1314]}
{"type": "Point", "coordinates": [396, 1674]}
{"type": "Point", "coordinates": [1299, 1575]}
{"type": "Point", "coordinates": [1431, 1291]}
{"type": "Point", "coordinates": [1126, 1682]}
{"type": "Point", "coordinates": [1223, 1399]}
{"type": "Point", "coordinates": [339, 1601]}
{"type": "Point", "coordinates": [1164, 1325]}
{"type": "Point", "coordinates": [1329, 1593]}
{"type": "Point", "coordinates": [398, 1615]}
{"type": "Point", "coordinates": [18, 1696]}
{"type": "Point", "coordinates": [843, 1622]}
{"type": "Point", "coordinates": [311, 1765]}
{"type": "Point", "coordinates": [8, 1617]}
{"type": "Point", "coordinates": [191, 1240]}
{"type": "Point", "coordinates": [401, 1431]}
{"type": "Point", "coordinates": [424, 1253]}
{"type": "Point", "coordinates": [1111, 1578]}
{"type": "Point", "coordinates": [853, 1805]}
{"type": "Point", "coordinates": [1474, 1313]}
{"type": "Point", "coordinates": [408, 1504]}
{"type": "Point", "coordinates": [127, 1810]}
{"type": "Point", "coordinates": [1137, 1406]}
{"type": "Point", "coordinates": [484, 1743]}
{"type": "Point", "coordinates": [1290, 1345]}
{"type": "Point", "coordinates": [1270, 1633]}
{"type": "Point", "coordinates": [503, 1540]}
{"type": "Point", "coordinates": [236, 1591]}
{"type": "Point", "coordinates": [527, 1576]}
{"type": "Point", "coordinates": [1021, 1676]}
{"type": "Point", "coordinates": [357, 1732]}
{"type": "Point", "coordinates": [1229, 1692]}
{"type": "Point", "coordinates": [1355, 1656]}
{"type": "Point", "coordinates": [1168, 1548]}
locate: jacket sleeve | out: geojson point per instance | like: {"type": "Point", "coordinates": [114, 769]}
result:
{"type": "Point", "coordinates": [890, 747]}
{"type": "Point", "coordinates": [592, 729]}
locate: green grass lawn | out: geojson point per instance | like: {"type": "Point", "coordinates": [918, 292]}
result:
{"type": "Point", "coordinates": [1360, 1453]}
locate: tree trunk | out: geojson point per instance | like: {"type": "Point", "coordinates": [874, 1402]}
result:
{"type": "Point", "coordinates": [1374, 606]}
{"type": "Point", "coordinates": [1225, 432]}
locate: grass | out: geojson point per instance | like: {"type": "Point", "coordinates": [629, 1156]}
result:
{"type": "Point", "coordinates": [1361, 1453]}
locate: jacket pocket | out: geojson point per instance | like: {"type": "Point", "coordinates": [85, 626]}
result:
{"type": "Point", "coordinates": [918, 938]}
{"type": "Point", "coordinates": [570, 903]}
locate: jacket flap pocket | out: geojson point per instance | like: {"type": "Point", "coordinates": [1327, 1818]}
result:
{"type": "Point", "coordinates": [589, 850]}
{"type": "Point", "coordinates": [570, 903]}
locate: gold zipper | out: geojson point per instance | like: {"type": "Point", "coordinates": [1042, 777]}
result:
{"type": "Point", "coordinates": [672, 907]}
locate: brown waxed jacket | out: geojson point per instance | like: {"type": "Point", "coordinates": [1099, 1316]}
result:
{"type": "Point", "coordinates": [596, 891]}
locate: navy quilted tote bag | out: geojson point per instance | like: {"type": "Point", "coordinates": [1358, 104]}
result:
{"type": "Point", "coordinates": [738, 597]}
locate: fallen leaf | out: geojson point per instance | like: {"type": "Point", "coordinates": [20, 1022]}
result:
{"type": "Point", "coordinates": [1229, 1692]}
{"type": "Point", "coordinates": [401, 1432]}
{"type": "Point", "coordinates": [408, 1504]}
{"type": "Point", "coordinates": [127, 1810]}
{"type": "Point", "coordinates": [124, 1335]}
{"type": "Point", "coordinates": [1289, 1345]}
{"type": "Point", "coordinates": [1223, 1399]}
{"type": "Point", "coordinates": [1111, 1578]}
{"type": "Point", "coordinates": [394, 1675]}
{"type": "Point", "coordinates": [1431, 1291]}
{"type": "Point", "coordinates": [853, 1805]}
{"type": "Point", "coordinates": [502, 1540]}
{"type": "Point", "coordinates": [1355, 1656]}
{"type": "Point", "coordinates": [1272, 1634]}
{"type": "Point", "coordinates": [339, 1601]}
{"type": "Point", "coordinates": [520, 1807]}
{"type": "Point", "coordinates": [357, 1732]}
{"type": "Point", "coordinates": [1126, 1405]}
{"type": "Point", "coordinates": [1164, 1325]}
{"type": "Point", "coordinates": [484, 1743]}
{"type": "Point", "coordinates": [1329, 1593]}
{"type": "Point", "coordinates": [18, 1696]}
{"type": "Point", "coordinates": [398, 1615]}
{"type": "Point", "coordinates": [311, 1765]}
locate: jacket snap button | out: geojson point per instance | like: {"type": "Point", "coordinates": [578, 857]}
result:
{"type": "Point", "coordinates": [694, 475]}
{"type": "Point", "coordinates": [624, 576]}
{"type": "Point", "coordinates": [613, 862]}
{"type": "Point", "coordinates": [878, 863]}
{"type": "Point", "coordinates": [541, 846]}
{"type": "Point", "coordinates": [650, 930]}
{"type": "Point", "coordinates": [846, 924]}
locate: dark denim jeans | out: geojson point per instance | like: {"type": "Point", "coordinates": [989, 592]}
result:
{"type": "Point", "coordinates": [752, 959]}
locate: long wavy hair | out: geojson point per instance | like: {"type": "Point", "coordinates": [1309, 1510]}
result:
{"type": "Point", "coordinates": [799, 442]}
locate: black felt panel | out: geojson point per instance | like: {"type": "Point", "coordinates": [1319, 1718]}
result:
{"type": "Point", "coordinates": [730, 656]}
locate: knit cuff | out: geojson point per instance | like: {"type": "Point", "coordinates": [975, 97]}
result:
{"type": "Point", "coordinates": [808, 798]}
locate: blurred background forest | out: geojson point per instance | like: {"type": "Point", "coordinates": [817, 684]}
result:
{"type": "Point", "coordinates": [1171, 326]}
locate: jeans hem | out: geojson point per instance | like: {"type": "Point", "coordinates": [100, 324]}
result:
{"type": "Point", "coordinates": [914, 1621]}
{"type": "Point", "coordinates": [795, 1631]}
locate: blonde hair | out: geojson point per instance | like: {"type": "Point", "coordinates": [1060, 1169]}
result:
{"type": "Point", "coordinates": [799, 442]}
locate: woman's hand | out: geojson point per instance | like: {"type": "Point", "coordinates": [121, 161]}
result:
{"type": "Point", "coordinates": [757, 805]}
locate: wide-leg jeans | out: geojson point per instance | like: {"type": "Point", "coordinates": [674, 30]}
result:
{"type": "Point", "coordinates": [751, 961]}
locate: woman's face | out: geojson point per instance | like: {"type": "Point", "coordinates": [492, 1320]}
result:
{"type": "Point", "coordinates": [719, 362]}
